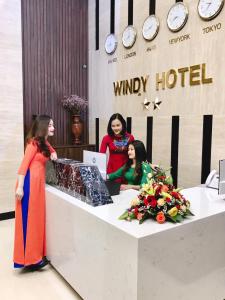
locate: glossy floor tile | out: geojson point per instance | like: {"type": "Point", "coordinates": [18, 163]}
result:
{"type": "Point", "coordinates": [19, 285]}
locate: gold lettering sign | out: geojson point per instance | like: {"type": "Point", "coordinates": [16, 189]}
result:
{"type": "Point", "coordinates": [193, 75]}
{"type": "Point", "coordinates": [135, 85]}
{"type": "Point", "coordinates": [196, 75]}
{"type": "Point", "coordinates": [171, 80]}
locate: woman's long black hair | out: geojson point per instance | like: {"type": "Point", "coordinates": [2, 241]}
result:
{"type": "Point", "coordinates": [123, 122]}
{"type": "Point", "coordinates": [140, 156]}
{"type": "Point", "coordinates": [38, 133]}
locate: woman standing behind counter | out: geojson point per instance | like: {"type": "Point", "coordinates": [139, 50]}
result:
{"type": "Point", "coordinates": [116, 141]}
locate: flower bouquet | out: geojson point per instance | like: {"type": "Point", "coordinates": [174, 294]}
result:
{"type": "Point", "coordinates": [74, 103]}
{"type": "Point", "coordinates": [158, 199]}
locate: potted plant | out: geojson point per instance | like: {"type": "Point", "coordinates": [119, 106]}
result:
{"type": "Point", "coordinates": [76, 105]}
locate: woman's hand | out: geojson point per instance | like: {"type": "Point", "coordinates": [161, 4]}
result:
{"type": "Point", "coordinates": [125, 187]}
{"type": "Point", "coordinates": [19, 193]}
{"type": "Point", "coordinates": [53, 156]}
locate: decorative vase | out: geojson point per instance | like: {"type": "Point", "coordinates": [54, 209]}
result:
{"type": "Point", "coordinates": [77, 129]}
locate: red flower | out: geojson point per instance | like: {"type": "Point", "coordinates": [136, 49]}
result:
{"type": "Point", "coordinates": [178, 206]}
{"type": "Point", "coordinates": [136, 212]}
{"type": "Point", "coordinates": [161, 178]}
{"type": "Point", "coordinates": [168, 200]}
{"type": "Point", "coordinates": [150, 198]}
{"type": "Point", "coordinates": [146, 202]}
{"type": "Point", "coordinates": [175, 195]}
{"type": "Point", "coordinates": [153, 203]}
{"type": "Point", "coordinates": [158, 190]}
{"type": "Point", "coordinates": [160, 218]}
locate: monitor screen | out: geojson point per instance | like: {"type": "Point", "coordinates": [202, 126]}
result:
{"type": "Point", "coordinates": [97, 159]}
{"type": "Point", "coordinates": [221, 177]}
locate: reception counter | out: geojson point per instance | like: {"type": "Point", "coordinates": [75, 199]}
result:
{"type": "Point", "coordinates": [104, 258]}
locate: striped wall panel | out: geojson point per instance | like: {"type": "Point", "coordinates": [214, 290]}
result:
{"type": "Point", "coordinates": [55, 55]}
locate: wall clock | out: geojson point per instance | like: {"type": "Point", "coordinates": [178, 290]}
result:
{"type": "Point", "coordinates": [110, 43]}
{"type": "Point", "coordinates": [129, 36]}
{"type": "Point", "coordinates": [209, 9]}
{"type": "Point", "coordinates": [150, 28]}
{"type": "Point", "coordinates": [177, 16]}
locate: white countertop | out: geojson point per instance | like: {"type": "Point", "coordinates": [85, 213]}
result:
{"type": "Point", "coordinates": [205, 202]}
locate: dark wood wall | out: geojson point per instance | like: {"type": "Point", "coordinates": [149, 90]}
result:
{"type": "Point", "coordinates": [55, 50]}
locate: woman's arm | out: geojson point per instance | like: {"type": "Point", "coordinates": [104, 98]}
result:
{"type": "Point", "coordinates": [104, 144]}
{"type": "Point", "coordinates": [29, 154]}
{"type": "Point", "coordinates": [19, 189]}
{"type": "Point", "coordinates": [146, 169]}
{"type": "Point", "coordinates": [117, 174]}
{"type": "Point", "coordinates": [124, 187]}
{"type": "Point", "coordinates": [53, 155]}
{"type": "Point", "coordinates": [31, 150]}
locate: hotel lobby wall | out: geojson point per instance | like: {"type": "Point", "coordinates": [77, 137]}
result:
{"type": "Point", "coordinates": [190, 103]}
{"type": "Point", "coordinates": [11, 104]}
{"type": "Point", "coordinates": [55, 55]}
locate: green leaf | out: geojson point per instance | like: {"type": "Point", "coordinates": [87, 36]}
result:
{"type": "Point", "coordinates": [132, 216]}
{"type": "Point", "coordinates": [173, 219]}
{"type": "Point", "coordinates": [179, 218]}
{"type": "Point", "coordinates": [188, 212]}
{"type": "Point", "coordinates": [169, 180]}
{"type": "Point", "coordinates": [145, 217]}
{"type": "Point", "coordinates": [124, 216]}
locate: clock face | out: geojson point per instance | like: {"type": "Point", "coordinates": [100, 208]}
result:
{"type": "Point", "coordinates": [209, 9]}
{"type": "Point", "coordinates": [110, 44]}
{"type": "Point", "coordinates": [129, 36]}
{"type": "Point", "coordinates": [177, 16]}
{"type": "Point", "coordinates": [150, 28]}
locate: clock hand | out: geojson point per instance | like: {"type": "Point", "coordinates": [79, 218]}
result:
{"type": "Point", "coordinates": [147, 29]}
{"type": "Point", "coordinates": [209, 3]}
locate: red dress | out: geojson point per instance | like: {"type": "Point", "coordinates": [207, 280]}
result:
{"type": "Point", "coordinates": [29, 245]}
{"type": "Point", "coordinates": [117, 151]}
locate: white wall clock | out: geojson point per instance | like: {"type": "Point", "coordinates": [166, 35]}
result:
{"type": "Point", "coordinates": [177, 16]}
{"type": "Point", "coordinates": [209, 9]}
{"type": "Point", "coordinates": [150, 28]}
{"type": "Point", "coordinates": [110, 43]}
{"type": "Point", "coordinates": [129, 36]}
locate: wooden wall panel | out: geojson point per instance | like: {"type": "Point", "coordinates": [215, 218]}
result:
{"type": "Point", "coordinates": [55, 41]}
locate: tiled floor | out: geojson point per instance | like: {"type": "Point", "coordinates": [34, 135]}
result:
{"type": "Point", "coordinates": [19, 285]}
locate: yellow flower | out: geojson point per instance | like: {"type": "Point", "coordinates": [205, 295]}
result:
{"type": "Point", "coordinates": [161, 202]}
{"type": "Point", "coordinates": [166, 195]}
{"type": "Point", "coordinates": [145, 187]}
{"type": "Point", "coordinates": [173, 212]}
{"type": "Point", "coordinates": [135, 202]}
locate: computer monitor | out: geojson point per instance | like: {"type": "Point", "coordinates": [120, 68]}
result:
{"type": "Point", "coordinates": [97, 159]}
{"type": "Point", "coordinates": [221, 190]}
